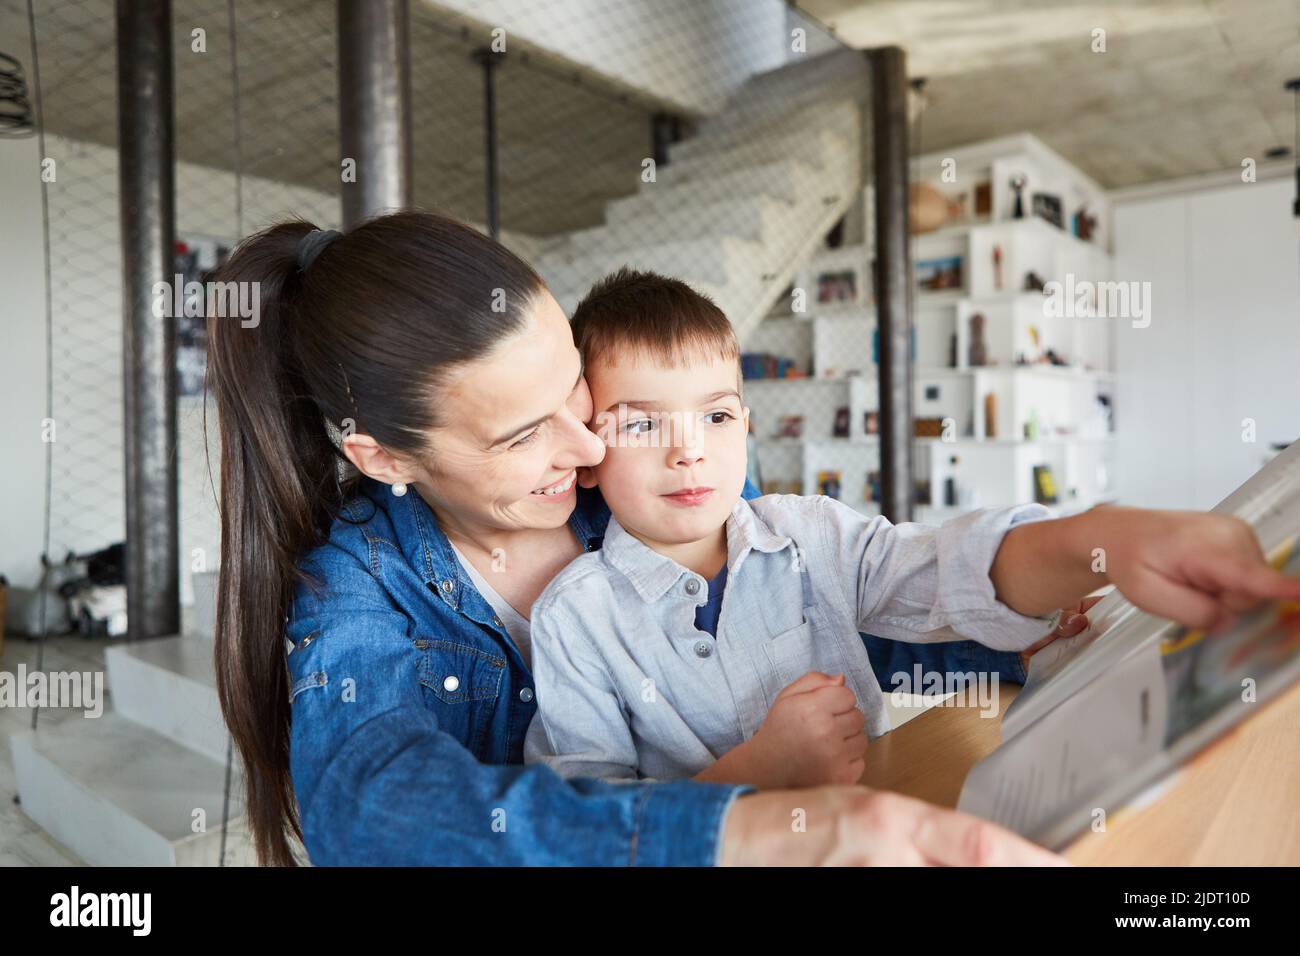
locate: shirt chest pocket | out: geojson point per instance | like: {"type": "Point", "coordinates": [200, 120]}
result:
{"type": "Point", "coordinates": [790, 654]}
{"type": "Point", "coordinates": [464, 688]}
{"type": "Point", "coordinates": [812, 645]}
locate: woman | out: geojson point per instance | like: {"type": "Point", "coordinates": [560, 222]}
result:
{"type": "Point", "coordinates": [390, 728]}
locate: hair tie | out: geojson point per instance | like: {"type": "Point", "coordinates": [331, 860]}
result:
{"type": "Point", "coordinates": [313, 244]}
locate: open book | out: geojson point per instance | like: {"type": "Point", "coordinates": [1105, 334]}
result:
{"type": "Point", "coordinates": [1108, 714]}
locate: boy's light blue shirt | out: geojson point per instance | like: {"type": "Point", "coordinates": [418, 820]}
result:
{"type": "Point", "coordinates": [628, 688]}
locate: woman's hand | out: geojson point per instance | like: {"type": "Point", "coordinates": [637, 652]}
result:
{"type": "Point", "coordinates": [1073, 621]}
{"type": "Point", "coordinates": [857, 826]}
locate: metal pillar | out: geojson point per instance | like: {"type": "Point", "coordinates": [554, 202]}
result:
{"type": "Point", "coordinates": [489, 61]}
{"type": "Point", "coordinates": [893, 279]}
{"type": "Point", "coordinates": [375, 106]}
{"type": "Point", "coordinates": [146, 175]}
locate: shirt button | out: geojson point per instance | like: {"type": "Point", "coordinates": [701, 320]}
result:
{"type": "Point", "coordinates": [496, 620]}
{"type": "Point", "coordinates": [446, 586]}
{"type": "Point", "coordinates": [526, 694]}
{"type": "Point", "coordinates": [692, 586]}
{"type": "Point", "coordinates": [703, 648]}
{"type": "Point", "coordinates": [451, 684]}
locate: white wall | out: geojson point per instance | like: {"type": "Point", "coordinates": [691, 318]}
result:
{"type": "Point", "coordinates": [1223, 344]}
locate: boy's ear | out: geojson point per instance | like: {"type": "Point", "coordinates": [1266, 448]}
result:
{"type": "Point", "coordinates": [374, 461]}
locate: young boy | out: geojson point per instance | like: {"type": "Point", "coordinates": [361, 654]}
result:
{"type": "Point", "coordinates": [718, 638]}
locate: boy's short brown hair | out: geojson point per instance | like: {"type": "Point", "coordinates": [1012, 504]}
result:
{"type": "Point", "coordinates": [652, 315]}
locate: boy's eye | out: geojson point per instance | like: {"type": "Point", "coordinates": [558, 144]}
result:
{"type": "Point", "coordinates": [719, 418]}
{"type": "Point", "coordinates": [639, 427]}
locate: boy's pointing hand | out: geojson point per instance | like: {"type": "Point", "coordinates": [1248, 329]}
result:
{"type": "Point", "coordinates": [1201, 570]}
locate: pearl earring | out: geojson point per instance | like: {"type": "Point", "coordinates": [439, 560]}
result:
{"type": "Point", "coordinates": [399, 488]}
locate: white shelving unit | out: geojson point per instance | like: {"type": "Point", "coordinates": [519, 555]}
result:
{"type": "Point", "coordinates": [998, 421]}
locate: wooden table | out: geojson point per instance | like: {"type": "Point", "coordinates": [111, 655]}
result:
{"type": "Point", "coordinates": [1237, 803]}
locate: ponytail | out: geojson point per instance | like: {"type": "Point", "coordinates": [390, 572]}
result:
{"type": "Point", "coordinates": [381, 312]}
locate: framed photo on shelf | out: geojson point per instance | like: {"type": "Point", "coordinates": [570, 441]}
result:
{"type": "Point", "coordinates": [835, 278]}
{"type": "Point", "coordinates": [936, 275]}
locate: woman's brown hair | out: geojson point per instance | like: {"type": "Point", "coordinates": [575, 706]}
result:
{"type": "Point", "coordinates": [362, 337]}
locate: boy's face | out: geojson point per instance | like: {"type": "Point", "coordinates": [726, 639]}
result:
{"type": "Point", "coordinates": [675, 456]}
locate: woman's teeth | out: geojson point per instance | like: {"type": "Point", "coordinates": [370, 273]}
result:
{"type": "Point", "coordinates": [557, 489]}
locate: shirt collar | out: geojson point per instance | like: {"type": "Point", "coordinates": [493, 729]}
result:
{"type": "Point", "coordinates": [652, 574]}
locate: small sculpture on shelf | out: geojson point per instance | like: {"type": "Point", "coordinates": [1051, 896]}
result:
{"type": "Point", "coordinates": [991, 415]}
{"type": "Point", "coordinates": [1018, 183]}
{"type": "Point", "coordinates": [977, 352]}
{"type": "Point", "coordinates": [1033, 283]}
{"type": "Point", "coordinates": [997, 268]}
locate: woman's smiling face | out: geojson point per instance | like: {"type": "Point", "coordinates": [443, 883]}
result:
{"type": "Point", "coordinates": [513, 431]}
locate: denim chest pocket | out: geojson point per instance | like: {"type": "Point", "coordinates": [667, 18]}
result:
{"type": "Point", "coordinates": [465, 684]}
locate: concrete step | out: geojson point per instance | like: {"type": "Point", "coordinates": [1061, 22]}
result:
{"type": "Point", "coordinates": [168, 685]}
{"type": "Point", "coordinates": [755, 219]}
{"type": "Point", "coordinates": [118, 794]}
{"type": "Point", "coordinates": [806, 84]}
{"type": "Point", "coordinates": [712, 261]}
{"type": "Point", "coordinates": [773, 122]}
{"type": "Point", "coordinates": [790, 180]}
{"type": "Point", "coordinates": [823, 149]}
{"type": "Point", "coordinates": [838, 116]}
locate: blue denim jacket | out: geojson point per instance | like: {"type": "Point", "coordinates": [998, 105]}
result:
{"type": "Point", "coordinates": [410, 706]}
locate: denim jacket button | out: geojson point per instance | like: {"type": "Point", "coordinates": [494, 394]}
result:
{"type": "Point", "coordinates": [703, 649]}
{"type": "Point", "coordinates": [526, 694]}
{"type": "Point", "coordinates": [692, 586]}
{"type": "Point", "coordinates": [446, 586]}
{"type": "Point", "coordinates": [496, 620]}
{"type": "Point", "coordinates": [451, 684]}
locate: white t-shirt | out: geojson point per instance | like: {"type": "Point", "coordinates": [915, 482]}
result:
{"type": "Point", "coordinates": [516, 625]}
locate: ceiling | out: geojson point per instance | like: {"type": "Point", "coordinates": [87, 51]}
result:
{"type": "Point", "coordinates": [567, 142]}
{"type": "Point", "coordinates": [1183, 87]}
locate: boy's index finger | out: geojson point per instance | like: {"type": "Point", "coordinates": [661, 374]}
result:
{"type": "Point", "coordinates": [1263, 581]}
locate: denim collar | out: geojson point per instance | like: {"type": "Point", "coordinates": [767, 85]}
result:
{"type": "Point", "coordinates": [426, 548]}
{"type": "Point", "coordinates": [652, 574]}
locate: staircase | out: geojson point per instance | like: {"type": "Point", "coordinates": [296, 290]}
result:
{"type": "Point", "coordinates": [740, 207]}
{"type": "Point", "coordinates": [142, 785]}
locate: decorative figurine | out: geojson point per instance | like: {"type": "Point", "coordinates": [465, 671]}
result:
{"type": "Point", "coordinates": [977, 353]}
{"type": "Point", "coordinates": [1018, 182]}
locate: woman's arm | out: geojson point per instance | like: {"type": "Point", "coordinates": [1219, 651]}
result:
{"type": "Point", "coordinates": [378, 781]}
